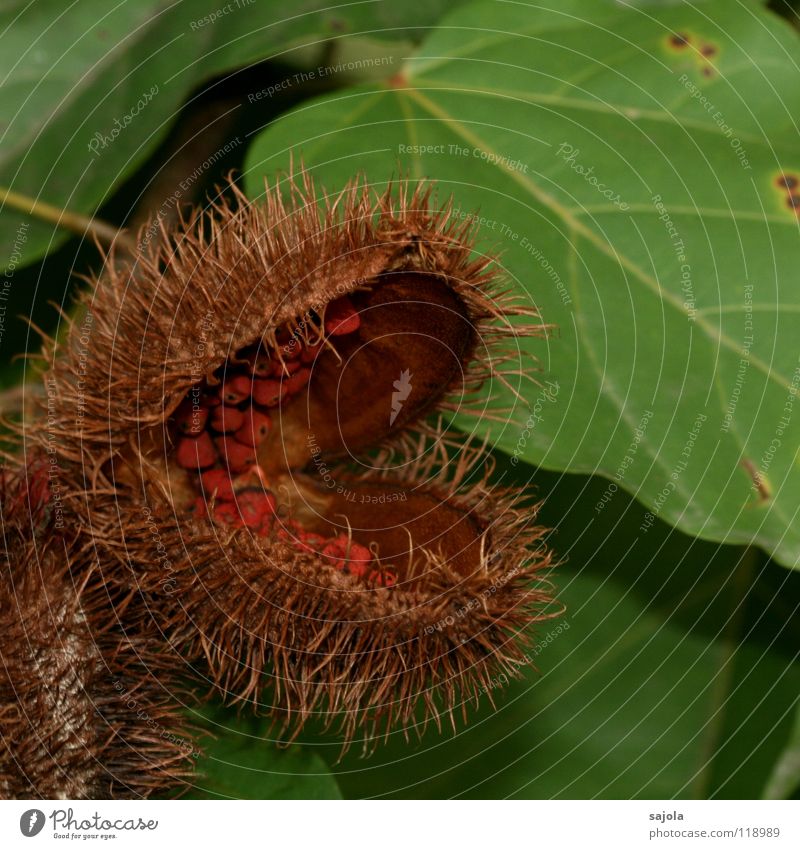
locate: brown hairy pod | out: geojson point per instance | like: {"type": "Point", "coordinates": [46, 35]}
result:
{"type": "Point", "coordinates": [86, 711]}
{"type": "Point", "coordinates": [338, 540]}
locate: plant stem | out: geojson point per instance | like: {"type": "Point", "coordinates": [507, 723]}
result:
{"type": "Point", "coordinates": [73, 221]}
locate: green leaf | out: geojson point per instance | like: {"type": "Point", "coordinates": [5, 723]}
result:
{"type": "Point", "coordinates": [629, 180]}
{"type": "Point", "coordinates": [242, 761]}
{"type": "Point", "coordinates": [672, 675]}
{"type": "Point", "coordinates": [90, 88]}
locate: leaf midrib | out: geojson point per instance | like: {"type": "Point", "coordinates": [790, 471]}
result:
{"type": "Point", "coordinates": [601, 106]}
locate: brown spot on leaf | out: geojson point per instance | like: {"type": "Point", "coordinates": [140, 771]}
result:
{"type": "Point", "coordinates": [679, 40]}
{"type": "Point", "coordinates": [793, 202]}
{"type": "Point", "coordinates": [708, 50]}
{"type": "Point", "coordinates": [787, 181]}
{"type": "Point", "coordinates": [760, 483]}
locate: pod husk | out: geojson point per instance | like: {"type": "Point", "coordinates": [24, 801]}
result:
{"type": "Point", "coordinates": [254, 609]}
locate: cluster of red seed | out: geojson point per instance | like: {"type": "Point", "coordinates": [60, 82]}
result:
{"type": "Point", "coordinates": [222, 428]}
{"type": "Point", "coordinates": [344, 553]}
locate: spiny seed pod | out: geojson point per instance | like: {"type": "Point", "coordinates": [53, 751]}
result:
{"type": "Point", "coordinates": [85, 711]}
{"type": "Point", "coordinates": [325, 535]}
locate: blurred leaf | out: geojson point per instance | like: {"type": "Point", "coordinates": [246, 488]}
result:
{"type": "Point", "coordinates": [675, 677]}
{"type": "Point", "coordinates": [785, 779]}
{"type": "Point", "coordinates": [625, 164]}
{"type": "Point", "coordinates": [89, 89]}
{"type": "Point", "coordinates": [243, 762]}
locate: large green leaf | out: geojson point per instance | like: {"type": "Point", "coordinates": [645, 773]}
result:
{"type": "Point", "coordinates": [629, 179]}
{"type": "Point", "coordinates": [89, 88]}
{"type": "Point", "coordinates": [242, 761]}
{"type": "Point", "coordinates": [676, 676]}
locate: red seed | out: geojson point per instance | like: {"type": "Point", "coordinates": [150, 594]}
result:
{"type": "Point", "coordinates": [256, 507]}
{"type": "Point", "coordinates": [191, 416]}
{"type": "Point", "coordinates": [382, 579]}
{"type": "Point", "coordinates": [297, 381]}
{"type": "Point", "coordinates": [291, 531]}
{"type": "Point", "coordinates": [301, 545]}
{"type": "Point", "coordinates": [254, 429]}
{"type": "Point", "coordinates": [335, 553]}
{"type": "Point", "coordinates": [195, 452]}
{"type": "Point", "coordinates": [287, 368]}
{"type": "Point", "coordinates": [304, 540]}
{"type": "Point", "coordinates": [237, 457]}
{"type": "Point", "coordinates": [310, 354]}
{"type": "Point", "coordinates": [228, 513]}
{"type": "Point", "coordinates": [358, 559]}
{"type": "Point", "coordinates": [292, 351]}
{"type": "Point", "coordinates": [341, 317]}
{"type": "Point", "coordinates": [211, 398]}
{"type": "Point", "coordinates": [227, 419]}
{"type": "Point", "coordinates": [217, 483]}
{"type": "Point", "coordinates": [235, 389]}
{"type": "Point", "coordinates": [199, 419]}
{"type": "Point", "coordinates": [199, 508]}
{"type": "Point", "coordinates": [346, 554]}
{"type": "Point", "coordinates": [268, 393]}
{"type": "Point", "coordinates": [260, 364]}
{"type": "Point", "coordinates": [290, 343]}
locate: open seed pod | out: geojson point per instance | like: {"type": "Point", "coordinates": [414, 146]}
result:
{"type": "Point", "coordinates": [259, 392]}
{"type": "Point", "coordinates": [85, 710]}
